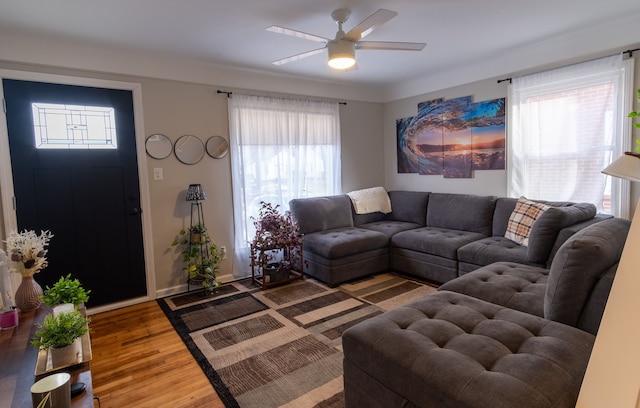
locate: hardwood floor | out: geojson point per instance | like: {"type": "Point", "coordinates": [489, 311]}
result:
{"type": "Point", "coordinates": [140, 361]}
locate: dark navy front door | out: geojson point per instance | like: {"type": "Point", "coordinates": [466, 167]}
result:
{"type": "Point", "coordinates": [89, 198]}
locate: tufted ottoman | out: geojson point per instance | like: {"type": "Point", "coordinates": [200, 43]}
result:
{"type": "Point", "coordinates": [335, 250]}
{"type": "Point", "coordinates": [452, 350]}
{"type": "Point", "coordinates": [342, 254]}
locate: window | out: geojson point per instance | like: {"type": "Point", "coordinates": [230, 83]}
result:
{"type": "Point", "coordinates": [280, 149]}
{"type": "Point", "coordinates": [565, 126]}
{"type": "Point", "coordinates": [59, 126]}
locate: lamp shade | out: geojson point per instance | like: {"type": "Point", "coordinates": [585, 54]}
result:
{"type": "Point", "coordinates": [626, 167]}
{"type": "Point", "coordinates": [342, 54]}
{"type": "Point", "coordinates": [195, 192]}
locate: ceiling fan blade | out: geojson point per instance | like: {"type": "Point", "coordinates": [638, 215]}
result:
{"type": "Point", "coordinates": [389, 45]}
{"type": "Point", "coordinates": [295, 33]}
{"type": "Point", "coordinates": [369, 24]}
{"type": "Point", "coordinates": [298, 56]}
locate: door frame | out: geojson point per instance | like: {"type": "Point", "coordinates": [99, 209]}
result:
{"type": "Point", "coordinates": [7, 194]}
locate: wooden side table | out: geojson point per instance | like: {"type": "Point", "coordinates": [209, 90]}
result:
{"type": "Point", "coordinates": [18, 365]}
{"type": "Point", "coordinates": [257, 275]}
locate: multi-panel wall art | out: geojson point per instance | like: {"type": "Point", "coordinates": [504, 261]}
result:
{"type": "Point", "coordinates": [452, 138]}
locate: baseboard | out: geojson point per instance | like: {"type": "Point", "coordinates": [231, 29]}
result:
{"type": "Point", "coordinates": [174, 290]}
{"type": "Point", "coordinates": [117, 305]}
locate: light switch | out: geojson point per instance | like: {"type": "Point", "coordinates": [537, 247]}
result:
{"type": "Point", "coordinates": [157, 173]}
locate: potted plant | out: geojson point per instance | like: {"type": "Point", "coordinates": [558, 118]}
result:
{"type": "Point", "coordinates": [276, 234]}
{"type": "Point", "coordinates": [27, 252]}
{"type": "Point", "coordinates": [196, 232]}
{"type": "Point", "coordinates": [200, 254]}
{"type": "Point", "coordinates": [65, 290]}
{"type": "Point", "coordinates": [61, 334]}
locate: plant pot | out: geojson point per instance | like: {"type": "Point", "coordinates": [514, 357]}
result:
{"type": "Point", "coordinates": [28, 294]}
{"type": "Point", "coordinates": [196, 237]}
{"type": "Point", "coordinates": [63, 308]}
{"type": "Point", "coordinates": [67, 355]}
{"type": "Point", "coordinates": [275, 272]}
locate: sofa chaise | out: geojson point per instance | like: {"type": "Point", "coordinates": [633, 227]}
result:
{"type": "Point", "coordinates": [503, 335]}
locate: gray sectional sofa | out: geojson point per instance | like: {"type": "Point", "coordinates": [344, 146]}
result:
{"type": "Point", "coordinates": [510, 326]}
{"type": "Point", "coordinates": [433, 236]}
{"type": "Point", "coordinates": [504, 335]}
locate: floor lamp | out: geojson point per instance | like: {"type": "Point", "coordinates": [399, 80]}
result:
{"type": "Point", "coordinates": [613, 375]}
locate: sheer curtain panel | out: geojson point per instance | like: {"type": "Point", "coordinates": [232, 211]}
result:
{"type": "Point", "coordinates": [280, 149]}
{"type": "Point", "coordinates": [565, 126]}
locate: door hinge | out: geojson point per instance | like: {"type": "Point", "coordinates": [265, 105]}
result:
{"type": "Point", "coordinates": [4, 105]}
{"type": "Point", "coordinates": [14, 203]}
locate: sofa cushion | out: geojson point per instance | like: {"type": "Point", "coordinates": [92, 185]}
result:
{"type": "Point", "coordinates": [509, 284]}
{"type": "Point", "coordinates": [435, 241]}
{"type": "Point", "coordinates": [452, 350]}
{"type": "Point", "coordinates": [578, 265]}
{"type": "Point", "coordinates": [339, 242]}
{"type": "Point", "coordinates": [362, 219]}
{"type": "Point", "coordinates": [545, 230]}
{"type": "Point", "coordinates": [464, 212]}
{"type": "Point", "coordinates": [321, 213]}
{"type": "Point", "coordinates": [504, 208]}
{"type": "Point", "coordinates": [390, 228]}
{"type": "Point", "coordinates": [492, 249]}
{"type": "Point", "coordinates": [522, 219]}
{"type": "Point", "coordinates": [409, 206]}
{"type": "Point", "coordinates": [566, 233]}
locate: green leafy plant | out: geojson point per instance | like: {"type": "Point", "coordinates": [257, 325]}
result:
{"type": "Point", "coordinates": [198, 228]}
{"type": "Point", "coordinates": [635, 114]}
{"type": "Point", "coordinates": [60, 330]}
{"type": "Point", "coordinates": [65, 290]}
{"type": "Point", "coordinates": [201, 255]}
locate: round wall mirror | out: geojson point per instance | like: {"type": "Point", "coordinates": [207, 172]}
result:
{"type": "Point", "coordinates": [217, 147]}
{"type": "Point", "coordinates": [158, 146]}
{"type": "Point", "coordinates": [189, 149]}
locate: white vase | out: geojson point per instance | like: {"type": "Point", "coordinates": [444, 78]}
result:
{"type": "Point", "coordinates": [67, 355]}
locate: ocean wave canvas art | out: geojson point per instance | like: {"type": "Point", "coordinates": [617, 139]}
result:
{"type": "Point", "coordinates": [453, 138]}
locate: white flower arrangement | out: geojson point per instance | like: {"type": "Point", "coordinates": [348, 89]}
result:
{"type": "Point", "coordinates": [27, 251]}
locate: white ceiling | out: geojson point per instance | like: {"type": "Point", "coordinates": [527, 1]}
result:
{"type": "Point", "coordinates": [232, 33]}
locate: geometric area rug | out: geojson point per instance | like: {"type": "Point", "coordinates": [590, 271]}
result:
{"type": "Point", "coordinates": [281, 347]}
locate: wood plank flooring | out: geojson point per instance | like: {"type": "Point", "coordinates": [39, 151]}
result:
{"type": "Point", "coordinates": [140, 361]}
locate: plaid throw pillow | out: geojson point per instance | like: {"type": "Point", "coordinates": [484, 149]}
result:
{"type": "Point", "coordinates": [521, 220]}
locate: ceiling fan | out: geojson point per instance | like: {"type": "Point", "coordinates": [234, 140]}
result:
{"type": "Point", "coordinates": [342, 48]}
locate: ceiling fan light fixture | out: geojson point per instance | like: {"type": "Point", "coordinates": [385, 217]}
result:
{"type": "Point", "coordinates": [342, 54]}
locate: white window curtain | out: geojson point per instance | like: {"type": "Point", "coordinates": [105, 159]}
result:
{"type": "Point", "coordinates": [280, 149]}
{"type": "Point", "coordinates": [6, 287]}
{"type": "Point", "coordinates": [565, 126]}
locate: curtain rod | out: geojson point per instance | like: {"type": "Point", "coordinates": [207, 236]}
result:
{"type": "Point", "coordinates": [630, 52]}
{"type": "Point", "coordinates": [229, 93]}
